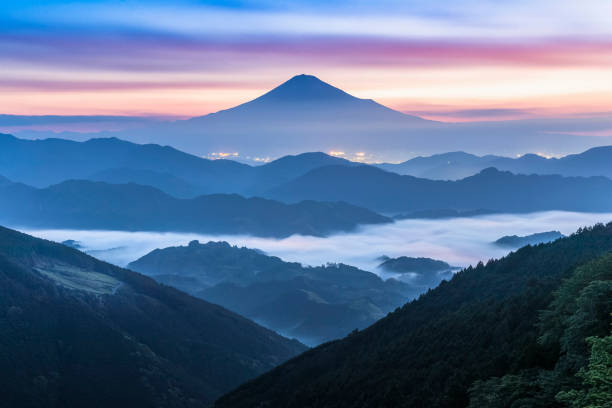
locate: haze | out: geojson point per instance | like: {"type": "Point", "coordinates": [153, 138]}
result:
{"type": "Point", "coordinates": [458, 241]}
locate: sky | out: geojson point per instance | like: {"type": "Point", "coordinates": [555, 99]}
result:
{"type": "Point", "coordinates": [446, 60]}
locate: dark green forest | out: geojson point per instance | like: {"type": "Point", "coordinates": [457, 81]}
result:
{"type": "Point", "coordinates": [528, 330]}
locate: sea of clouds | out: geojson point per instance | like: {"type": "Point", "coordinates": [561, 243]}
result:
{"type": "Point", "coordinates": [458, 241]}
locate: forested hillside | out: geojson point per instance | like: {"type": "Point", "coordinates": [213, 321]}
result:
{"type": "Point", "coordinates": [502, 319]}
{"type": "Point", "coordinates": [78, 332]}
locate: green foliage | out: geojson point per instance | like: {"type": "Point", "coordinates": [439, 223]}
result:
{"type": "Point", "coordinates": [596, 391]}
{"type": "Point", "coordinates": [580, 310]}
{"type": "Point", "coordinates": [483, 324]}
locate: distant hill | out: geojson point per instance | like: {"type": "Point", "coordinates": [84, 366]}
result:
{"type": "Point", "coordinates": [457, 165]}
{"type": "Point", "coordinates": [404, 264]}
{"type": "Point", "coordinates": [41, 163]}
{"type": "Point", "coordinates": [420, 273]}
{"type": "Point", "coordinates": [76, 331]}
{"type": "Point", "coordinates": [165, 182]}
{"type": "Point", "coordinates": [512, 331]}
{"type": "Point", "coordinates": [132, 207]}
{"type": "Point", "coordinates": [312, 304]}
{"type": "Point", "coordinates": [497, 191]}
{"type": "Point", "coordinates": [515, 241]}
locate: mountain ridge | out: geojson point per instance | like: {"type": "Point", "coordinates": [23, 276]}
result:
{"type": "Point", "coordinates": [97, 205]}
{"type": "Point", "coordinates": [386, 192]}
{"type": "Point", "coordinates": [480, 325]}
{"type": "Point", "coordinates": [82, 332]}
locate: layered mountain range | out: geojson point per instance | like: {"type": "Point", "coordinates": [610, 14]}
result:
{"type": "Point", "coordinates": [512, 332]}
{"type": "Point", "coordinates": [312, 304]}
{"type": "Point", "coordinates": [113, 184]}
{"type": "Point", "coordinates": [82, 204]}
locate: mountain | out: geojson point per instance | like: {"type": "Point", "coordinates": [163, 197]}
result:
{"type": "Point", "coordinates": [131, 207]}
{"type": "Point", "coordinates": [165, 182]}
{"type": "Point", "coordinates": [287, 168]}
{"type": "Point", "coordinates": [312, 304]}
{"type": "Point", "coordinates": [306, 97]}
{"type": "Point", "coordinates": [42, 163]}
{"type": "Point", "coordinates": [443, 166]}
{"type": "Point", "coordinates": [301, 114]}
{"type": "Point", "coordinates": [308, 114]}
{"type": "Point", "coordinates": [455, 341]}
{"type": "Point", "coordinates": [420, 273]}
{"type": "Point", "coordinates": [457, 165]}
{"type": "Point", "coordinates": [497, 191]}
{"type": "Point", "coordinates": [515, 241]}
{"type": "Point", "coordinates": [405, 264]}
{"type": "Point", "coordinates": [75, 331]}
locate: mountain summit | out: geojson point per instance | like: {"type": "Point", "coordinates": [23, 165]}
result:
{"type": "Point", "coordinates": [305, 100]}
{"type": "Point", "coordinates": [306, 88]}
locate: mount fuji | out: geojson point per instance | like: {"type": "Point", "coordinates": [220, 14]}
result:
{"type": "Point", "coordinates": [308, 114]}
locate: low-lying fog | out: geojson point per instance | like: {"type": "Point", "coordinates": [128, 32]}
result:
{"type": "Point", "coordinates": [458, 241]}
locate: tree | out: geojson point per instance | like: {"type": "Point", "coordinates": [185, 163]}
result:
{"type": "Point", "coordinates": [596, 378]}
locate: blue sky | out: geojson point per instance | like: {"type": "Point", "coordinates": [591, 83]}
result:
{"type": "Point", "coordinates": [526, 58]}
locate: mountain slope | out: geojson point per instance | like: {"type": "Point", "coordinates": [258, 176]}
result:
{"type": "Point", "coordinates": [479, 325]}
{"type": "Point", "coordinates": [312, 304]}
{"type": "Point", "coordinates": [75, 331]}
{"type": "Point", "coordinates": [306, 97]}
{"type": "Point", "coordinates": [131, 207]}
{"type": "Point", "coordinates": [383, 191]}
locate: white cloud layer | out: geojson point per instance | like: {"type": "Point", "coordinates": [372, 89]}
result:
{"type": "Point", "coordinates": [460, 241]}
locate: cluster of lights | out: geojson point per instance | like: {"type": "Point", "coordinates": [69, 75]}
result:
{"type": "Point", "coordinates": [222, 155]}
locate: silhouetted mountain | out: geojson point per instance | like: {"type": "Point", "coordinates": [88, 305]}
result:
{"type": "Point", "coordinates": [420, 265]}
{"type": "Point", "coordinates": [285, 169]}
{"type": "Point", "coordinates": [453, 166]}
{"type": "Point", "coordinates": [41, 163]}
{"type": "Point", "coordinates": [444, 166]}
{"type": "Point", "coordinates": [306, 97]}
{"type": "Point", "coordinates": [482, 324]}
{"type": "Point", "coordinates": [72, 244]}
{"type": "Point", "coordinates": [497, 191]}
{"type": "Point", "coordinates": [76, 331]}
{"type": "Point", "coordinates": [96, 205]}
{"type": "Point", "coordinates": [515, 241]}
{"type": "Point", "coordinates": [420, 273]}
{"type": "Point", "coordinates": [307, 114]}
{"type": "Point", "coordinates": [312, 304]}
